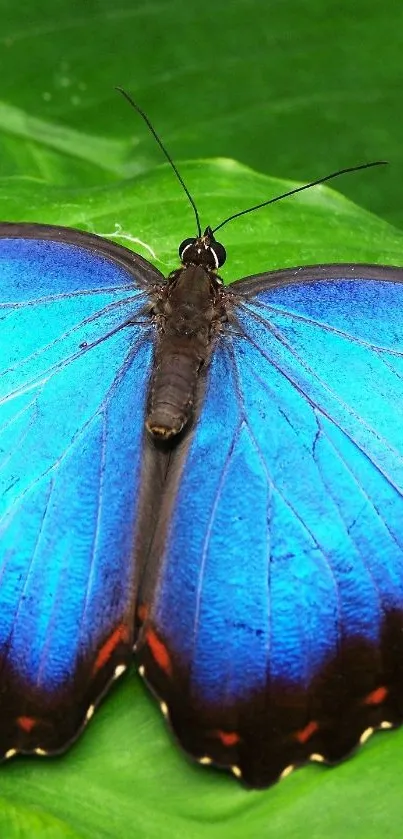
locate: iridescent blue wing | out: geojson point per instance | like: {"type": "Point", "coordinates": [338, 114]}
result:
{"type": "Point", "coordinates": [74, 363]}
{"type": "Point", "coordinates": [273, 622]}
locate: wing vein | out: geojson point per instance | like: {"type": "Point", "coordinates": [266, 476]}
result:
{"type": "Point", "coordinates": [326, 327]}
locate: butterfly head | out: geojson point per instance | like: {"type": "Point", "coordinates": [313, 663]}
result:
{"type": "Point", "coordinates": [203, 250]}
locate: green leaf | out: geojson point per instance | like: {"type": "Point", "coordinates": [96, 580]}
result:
{"type": "Point", "coordinates": [291, 88]}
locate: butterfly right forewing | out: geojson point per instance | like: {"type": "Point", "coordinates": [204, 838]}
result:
{"type": "Point", "coordinates": [272, 628]}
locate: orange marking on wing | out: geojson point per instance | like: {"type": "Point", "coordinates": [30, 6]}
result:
{"type": "Point", "coordinates": [142, 612]}
{"type": "Point", "coordinates": [376, 696]}
{"type": "Point", "coordinates": [159, 652]}
{"type": "Point", "coordinates": [305, 733]}
{"type": "Point", "coordinates": [26, 723]}
{"type": "Point", "coordinates": [228, 738]}
{"type": "Point", "coordinates": [119, 635]}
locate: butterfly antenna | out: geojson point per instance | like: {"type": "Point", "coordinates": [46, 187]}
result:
{"type": "Point", "coordinates": [301, 188]}
{"type": "Point", "coordinates": [166, 153]}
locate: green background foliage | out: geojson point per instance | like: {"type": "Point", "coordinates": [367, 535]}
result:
{"type": "Point", "coordinates": [287, 89]}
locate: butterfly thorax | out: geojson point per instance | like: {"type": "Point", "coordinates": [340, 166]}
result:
{"type": "Point", "coordinates": [188, 314]}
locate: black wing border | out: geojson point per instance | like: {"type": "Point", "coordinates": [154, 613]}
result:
{"type": "Point", "coordinates": [142, 271]}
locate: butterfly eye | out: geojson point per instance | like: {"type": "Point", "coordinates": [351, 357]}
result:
{"type": "Point", "coordinates": [184, 246]}
{"type": "Point", "coordinates": [219, 252]}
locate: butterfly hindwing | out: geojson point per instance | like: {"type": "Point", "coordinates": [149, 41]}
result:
{"type": "Point", "coordinates": [73, 385]}
{"type": "Point", "coordinates": [273, 623]}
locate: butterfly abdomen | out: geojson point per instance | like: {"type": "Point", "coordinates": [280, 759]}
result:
{"type": "Point", "coordinates": [187, 315]}
{"type": "Point", "coordinates": [173, 391]}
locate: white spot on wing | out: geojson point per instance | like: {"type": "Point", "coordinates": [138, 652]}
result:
{"type": "Point", "coordinates": [316, 758]}
{"type": "Point", "coordinates": [142, 671]}
{"type": "Point", "coordinates": [365, 735]}
{"type": "Point", "coordinates": [119, 670]}
{"type": "Point", "coordinates": [10, 753]}
{"type": "Point", "coordinates": [206, 761]}
{"type": "Point", "coordinates": [164, 709]}
{"type": "Point", "coordinates": [40, 752]}
{"type": "Point", "coordinates": [236, 771]}
{"type": "Point", "coordinates": [90, 713]}
{"type": "Point", "coordinates": [386, 724]}
{"type": "Point", "coordinates": [287, 771]}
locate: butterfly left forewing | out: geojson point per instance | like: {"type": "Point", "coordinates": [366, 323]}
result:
{"type": "Point", "coordinates": [69, 477]}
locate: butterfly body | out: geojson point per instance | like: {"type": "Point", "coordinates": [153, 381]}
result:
{"type": "Point", "coordinates": [188, 313]}
{"type": "Point", "coordinates": [254, 554]}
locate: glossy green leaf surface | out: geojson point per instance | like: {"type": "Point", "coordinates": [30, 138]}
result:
{"type": "Point", "coordinates": [292, 89]}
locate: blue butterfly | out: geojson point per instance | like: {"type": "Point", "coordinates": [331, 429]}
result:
{"type": "Point", "coordinates": [210, 475]}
